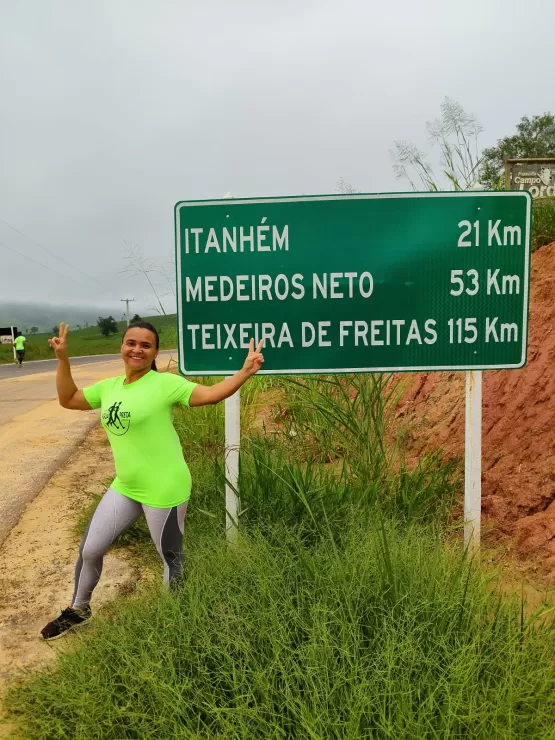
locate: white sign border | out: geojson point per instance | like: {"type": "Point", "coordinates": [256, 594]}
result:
{"type": "Point", "coordinates": [228, 202]}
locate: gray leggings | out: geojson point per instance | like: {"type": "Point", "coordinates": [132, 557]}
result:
{"type": "Point", "coordinates": [114, 514]}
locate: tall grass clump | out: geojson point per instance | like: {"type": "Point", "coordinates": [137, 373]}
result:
{"type": "Point", "coordinates": [543, 228]}
{"type": "Point", "coordinates": [333, 449]}
{"type": "Point", "coordinates": [454, 135]}
{"type": "Point", "coordinates": [392, 636]}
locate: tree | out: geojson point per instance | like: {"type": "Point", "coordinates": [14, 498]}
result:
{"type": "Point", "coordinates": [107, 326]}
{"type": "Point", "coordinates": [136, 318]}
{"type": "Point", "coordinates": [456, 134]}
{"type": "Point", "coordinates": [34, 329]}
{"type": "Point", "coordinates": [55, 330]}
{"type": "Point", "coordinates": [535, 137]}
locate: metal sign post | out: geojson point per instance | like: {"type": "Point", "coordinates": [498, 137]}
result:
{"type": "Point", "coordinates": [473, 460]}
{"type": "Point", "coordinates": [232, 448]}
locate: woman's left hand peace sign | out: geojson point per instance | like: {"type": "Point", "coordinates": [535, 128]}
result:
{"type": "Point", "coordinates": [254, 359]}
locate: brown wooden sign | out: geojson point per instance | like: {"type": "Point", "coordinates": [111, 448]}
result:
{"type": "Point", "coordinates": [535, 175]}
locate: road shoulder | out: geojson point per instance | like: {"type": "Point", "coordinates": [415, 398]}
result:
{"type": "Point", "coordinates": [38, 557]}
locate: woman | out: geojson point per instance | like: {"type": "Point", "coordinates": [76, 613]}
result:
{"type": "Point", "coordinates": [152, 478]}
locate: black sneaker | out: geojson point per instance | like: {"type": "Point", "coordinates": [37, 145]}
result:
{"type": "Point", "coordinates": [68, 620]}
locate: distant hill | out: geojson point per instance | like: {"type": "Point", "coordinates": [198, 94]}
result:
{"type": "Point", "coordinates": [46, 315]}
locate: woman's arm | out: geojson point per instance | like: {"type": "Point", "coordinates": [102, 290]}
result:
{"type": "Point", "coordinates": [206, 395]}
{"type": "Point", "coordinates": [69, 396]}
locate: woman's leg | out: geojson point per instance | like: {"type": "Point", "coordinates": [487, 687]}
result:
{"type": "Point", "coordinates": [166, 529]}
{"type": "Point", "coordinates": [114, 514]}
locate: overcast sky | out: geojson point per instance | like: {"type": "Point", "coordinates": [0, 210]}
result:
{"type": "Point", "coordinates": [113, 111]}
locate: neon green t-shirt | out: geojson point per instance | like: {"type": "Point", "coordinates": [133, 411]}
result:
{"type": "Point", "coordinates": [138, 421]}
{"type": "Point", "coordinates": [19, 343]}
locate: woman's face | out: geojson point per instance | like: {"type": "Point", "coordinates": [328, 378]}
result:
{"type": "Point", "coordinates": [138, 349]}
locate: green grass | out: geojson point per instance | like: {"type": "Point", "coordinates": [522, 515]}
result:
{"type": "Point", "coordinates": [543, 230]}
{"type": "Point", "coordinates": [393, 636]}
{"type": "Point", "coordinates": [90, 342]}
{"type": "Point", "coordinates": [347, 610]}
{"type": "Point", "coordinates": [338, 425]}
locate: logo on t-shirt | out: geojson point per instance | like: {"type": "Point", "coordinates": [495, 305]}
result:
{"type": "Point", "coordinates": [116, 421]}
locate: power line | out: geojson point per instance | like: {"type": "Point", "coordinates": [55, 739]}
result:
{"type": "Point", "coordinates": [50, 253]}
{"type": "Point", "coordinates": [22, 254]}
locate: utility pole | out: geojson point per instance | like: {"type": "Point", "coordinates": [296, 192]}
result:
{"type": "Point", "coordinates": [127, 301]}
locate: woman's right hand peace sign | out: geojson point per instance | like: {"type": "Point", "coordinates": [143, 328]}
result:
{"type": "Point", "coordinates": [59, 343]}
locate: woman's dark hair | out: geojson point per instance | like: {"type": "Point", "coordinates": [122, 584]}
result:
{"type": "Point", "coordinates": [149, 327]}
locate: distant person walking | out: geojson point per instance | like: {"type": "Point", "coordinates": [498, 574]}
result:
{"type": "Point", "coordinates": [19, 344]}
{"type": "Point", "coordinates": [152, 478]}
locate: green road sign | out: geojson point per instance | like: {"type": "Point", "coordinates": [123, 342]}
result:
{"type": "Point", "coordinates": [355, 283]}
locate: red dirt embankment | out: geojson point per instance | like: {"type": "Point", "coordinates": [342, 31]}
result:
{"type": "Point", "coordinates": [518, 428]}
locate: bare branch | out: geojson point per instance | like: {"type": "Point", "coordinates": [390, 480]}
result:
{"type": "Point", "coordinates": [345, 187]}
{"type": "Point", "coordinates": [138, 264]}
{"type": "Point", "coordinates": [456, 134]}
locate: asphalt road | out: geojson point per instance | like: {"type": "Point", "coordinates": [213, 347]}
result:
{"type": "Point", "coordinates": [11, 370]}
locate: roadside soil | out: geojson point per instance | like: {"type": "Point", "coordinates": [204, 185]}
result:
{"type": "Point", "coordinates": [518, 432]}
{"type": "Point", "coordinates": [37, 560]}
